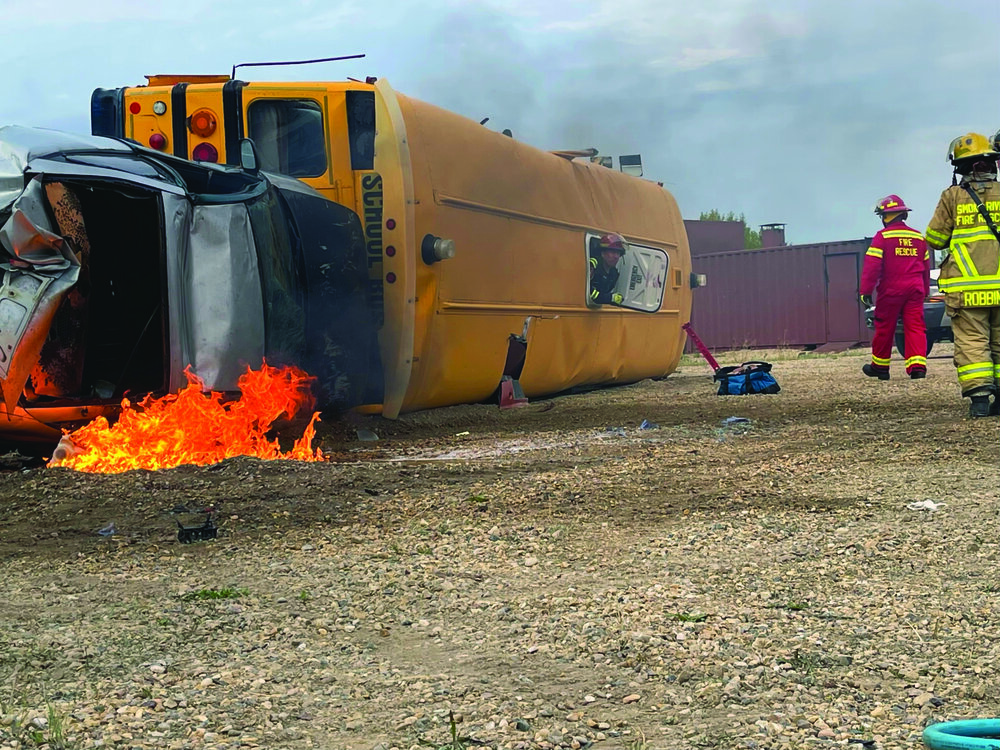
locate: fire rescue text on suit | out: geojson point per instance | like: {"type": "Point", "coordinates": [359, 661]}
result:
{"type": "Point", "coordinates": [898, 262]}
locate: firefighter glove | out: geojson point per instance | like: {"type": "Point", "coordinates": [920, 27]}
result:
{"type": "Point", "coordinates": [866, 300]}
{"type": "Point", "coordinates": [616, 299]}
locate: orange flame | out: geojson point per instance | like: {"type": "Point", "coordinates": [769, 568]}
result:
{"type": "Point", "coordinates": [195, 427]}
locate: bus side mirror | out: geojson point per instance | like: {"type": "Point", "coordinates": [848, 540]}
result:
{"type": "Point", "coordinates": [248, 156]}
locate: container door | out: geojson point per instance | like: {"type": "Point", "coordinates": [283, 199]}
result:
{"type": "Point", "coordinates": [844, 314]}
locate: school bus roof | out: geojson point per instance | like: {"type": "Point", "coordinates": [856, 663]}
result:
{"type": "Point", "coordinates": [167, 79]}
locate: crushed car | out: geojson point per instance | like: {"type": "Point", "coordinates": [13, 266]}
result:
{"type": "Point", "coordinates": [121, 266]}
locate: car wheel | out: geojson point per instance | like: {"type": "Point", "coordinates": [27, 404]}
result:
{"type": "Point", "coordinates": [899, 345]}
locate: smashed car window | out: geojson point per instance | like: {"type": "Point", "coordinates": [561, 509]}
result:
{"type": "Point", "coordinates": [277, 253]}
{"type": "Point", "coordinates": [209, 183]}
{"type": "Point", "coordinates": [121, 162]}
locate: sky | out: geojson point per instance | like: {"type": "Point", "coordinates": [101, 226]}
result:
{"type": "Point", "coordinates": [804, 112]}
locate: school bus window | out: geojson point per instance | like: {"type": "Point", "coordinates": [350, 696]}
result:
{"type": "Point", "coordinates": [625, 274]}
{"type": "Point", "coordinates": [605, 253]}
{"type": "Point", "coordinates": [288, 134]}
{"type": "Point", "coordinates": [361, 128]}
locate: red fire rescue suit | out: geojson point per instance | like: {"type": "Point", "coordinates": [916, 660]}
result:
{"type": "Point", "coordinates": [897, 268]}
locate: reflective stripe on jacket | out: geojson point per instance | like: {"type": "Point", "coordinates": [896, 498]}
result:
{"type": "Point", "coordinates": [897, 261]}
{"type": "Point", "coordinates": [970, 274]}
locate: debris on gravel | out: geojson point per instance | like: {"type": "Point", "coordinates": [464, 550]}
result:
{"type": "Point", "coordinates": [823, 574]}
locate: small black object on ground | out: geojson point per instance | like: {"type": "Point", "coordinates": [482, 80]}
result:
{"type": "Point", "coordinates": [198, 532]}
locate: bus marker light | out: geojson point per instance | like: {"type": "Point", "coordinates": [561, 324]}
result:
{"type": "Point", "coordinates": [158, 141]}
{"type": "Point", "coordinates": [433, 249]}
{"type": "Point", "coordinates": [202, 123]}
{"type": "Point", "coordinates": [390, 223]}
{"type": "Point", "coordinates": [159, 108]}
{"type": "Point", "coordinates": [390, 251]}
{"type": "Point", "coordinates": [205, 152]}
{"type": "Point", "coordinates": [134, 108]}
{"type": "Point", "coordinates": [390, 277]}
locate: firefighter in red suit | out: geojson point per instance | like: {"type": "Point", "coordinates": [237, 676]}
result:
{"type": "Point", "coordinates": [897, 268]}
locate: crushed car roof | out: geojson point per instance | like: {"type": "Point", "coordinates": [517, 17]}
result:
{"type": "Point", "coordinates": [25, 151]}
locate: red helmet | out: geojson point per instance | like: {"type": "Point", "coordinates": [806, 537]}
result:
{"type": "Point", "coordinates": [891, 204]}
{"type": "Point", "coordinates": [612, 241]}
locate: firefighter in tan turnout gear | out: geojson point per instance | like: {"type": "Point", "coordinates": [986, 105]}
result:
{"type": "Point", "coordinates": [965, 224]}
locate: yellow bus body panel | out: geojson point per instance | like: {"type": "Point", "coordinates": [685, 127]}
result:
{"type": "Point", "coordinates": [518, 217]}
{"type": "Point", "coordinates": [392, 162]}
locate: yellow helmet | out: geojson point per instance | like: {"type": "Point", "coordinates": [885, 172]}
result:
{"type": "Point", "coordinates": [971, 145]}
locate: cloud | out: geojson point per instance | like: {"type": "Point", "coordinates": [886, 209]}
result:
{"type": "Point", "coordinates": [61, 14]}
{"type": "Point", "coordinates": [691, 58]}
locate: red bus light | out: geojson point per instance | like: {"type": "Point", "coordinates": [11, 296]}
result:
{"type": "Point", "coordinates": [158, 141]}
{"type": "Point", "coordinates": [205, 152]}
{"type": "Point", "coordinates": [134, 108]}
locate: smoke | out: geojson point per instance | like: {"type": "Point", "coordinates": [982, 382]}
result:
{"type": "Point", "coordinates": [800, 113]}
{"type": "Point", "coordinates": [786, 111]}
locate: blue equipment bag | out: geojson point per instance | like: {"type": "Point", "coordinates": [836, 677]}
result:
{"type": "Point", "coordinates": [750, 377]}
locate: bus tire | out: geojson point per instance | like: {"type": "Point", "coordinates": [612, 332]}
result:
{"type": "Point", "coordinates": [967, 734]}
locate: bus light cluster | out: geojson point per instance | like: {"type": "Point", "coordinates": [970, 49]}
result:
{"type": "Point", "coordinates": [157, 140]}
{"type": "Point", "coordinates": [203, 123]}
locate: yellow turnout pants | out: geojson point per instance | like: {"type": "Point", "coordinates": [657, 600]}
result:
{"type": "Point", "coordinates": [977, 346]}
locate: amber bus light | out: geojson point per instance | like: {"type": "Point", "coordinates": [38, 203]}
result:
{"type": "Point", "coordinates": [202, 122]}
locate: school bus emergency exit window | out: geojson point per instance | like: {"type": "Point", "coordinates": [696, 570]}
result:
{"type": "Point", "coordinates": [636, 282]}
{"type": "Point", "coordinates": [288, 134]}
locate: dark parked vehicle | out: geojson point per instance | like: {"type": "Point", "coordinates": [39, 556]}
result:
{"type": "Point", "coordinates": [935, 318]}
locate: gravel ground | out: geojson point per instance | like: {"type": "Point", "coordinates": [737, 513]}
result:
{"type": "Point", "coordinates": [545, 577]}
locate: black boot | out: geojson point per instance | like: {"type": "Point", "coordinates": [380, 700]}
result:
{"type": "Point", "coordinates": [918, 373]}
{"type": "Point", "coordinates": [979, 406]}
{"type": "Point", "coordinates": [871, 372]}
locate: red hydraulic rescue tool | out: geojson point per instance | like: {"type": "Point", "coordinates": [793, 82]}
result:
{"type": "Point", "coordinates": [700, 346]}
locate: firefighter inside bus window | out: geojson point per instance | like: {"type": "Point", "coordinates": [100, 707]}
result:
{"type": "Point", "coordinates": [606, 252]}
{"type": "Point", "coordinates": [288, 134]}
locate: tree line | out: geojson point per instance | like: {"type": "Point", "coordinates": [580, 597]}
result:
{"type": "Point", "coordinates": [751, 237]}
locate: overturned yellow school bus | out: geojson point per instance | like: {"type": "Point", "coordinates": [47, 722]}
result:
{"type": "Point", "coordinates": [477, 245]}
